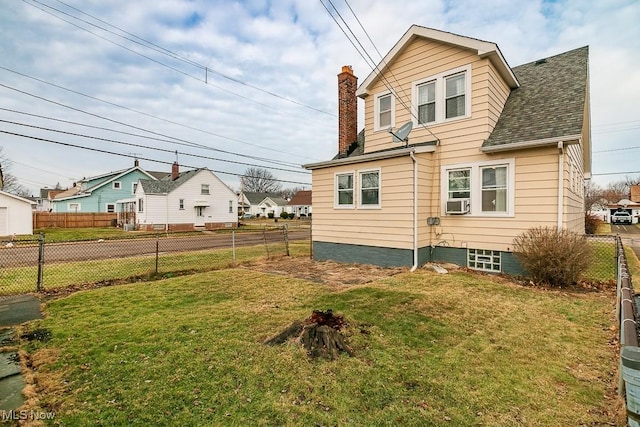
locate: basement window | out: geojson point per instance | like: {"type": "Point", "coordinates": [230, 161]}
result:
{"type": "Point", "coordinates": [485, 260]}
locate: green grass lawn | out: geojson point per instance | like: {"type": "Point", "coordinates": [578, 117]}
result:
{"type": "Point", "coordinates": [457, 349]}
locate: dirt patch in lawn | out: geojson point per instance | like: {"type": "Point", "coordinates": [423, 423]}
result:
{"type": "Point", "coordinates": [325, 272]}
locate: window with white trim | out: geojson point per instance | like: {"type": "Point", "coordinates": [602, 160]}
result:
{"type": "Point", "coordinates": [494, 188]}
{"type": "Point", "coordinates": [455, 95]}
{"type": "Point", "coordinates": [116, 185]}
{"type": "Point", "coordinates": [489, 186]}
{"type": "Point", "coordinates": [230, 206]}
{"type": "Point", "coordinates": [485, 260]}
{"type": "Point", "coordinates": [459, 184]}
{"type": "Point", "coordinates": [344, 190]}
{"type": "Point", "coordinates": [204, 189]}
{"type": "Point", "coordinates": [369, 188]}
{"type": "Point", "coordinates": [181, 204]}
{"type": "Point", "coordinates": [140, 205]}
{"type": "Point", "coordinates": [384, 114]}
{"type": "Point", "coordinates": [111, 207]}
{"type": "Point", "coordinates": [426, 102]}
{"type": "Point", "coordinates": [73, 207]}
{"type": "Point", "coordinates": [134, 187]}
{"type": "Point", "coordinates": [442, 97]}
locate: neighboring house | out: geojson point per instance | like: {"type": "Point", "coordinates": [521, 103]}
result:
{"type": "Point", "coordinates": [262, 204]}
{"type": "Point", "coordinates": [196, 199]}
{"type": "Point", "coordinates": [494, 151]}
{"type": "Point", "coordinates": [100, 193]}
{"type": "Point", "coordinates": [15, 215]}
{"type": "Point", "coordinates": [300, 203]}
{"type": "Point", "coordinates": [43, 203]}
{"type": "Point", "coordinates": [634, 191]}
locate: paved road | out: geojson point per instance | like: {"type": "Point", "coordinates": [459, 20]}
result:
{"type": "Point", "coordinates": [91, 250]}
{"type": "Point", "coordinates": [630, 235]}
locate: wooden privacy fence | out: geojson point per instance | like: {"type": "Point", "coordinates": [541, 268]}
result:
{"type": "Point", "coordinates": [73, 219]}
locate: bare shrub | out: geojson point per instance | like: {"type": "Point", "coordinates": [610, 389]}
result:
{"type": "Point", "coordinates": [551, 256]}
{"type": "Point", "coordinates": [591, 223]}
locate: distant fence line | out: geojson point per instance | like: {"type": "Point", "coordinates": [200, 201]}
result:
{"type": "Point", "coordinates": [74, 219]}
{"type": "Point", "coordinates": [36, 265]}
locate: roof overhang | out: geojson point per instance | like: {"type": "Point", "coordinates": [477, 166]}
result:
{"type": "Point", "coordinates": [379, 155]}
{"type": "Point", "coordinates": [548, 142]}
{"type": "Point", "coordinates": [483, 49]}
{"type": "Point", "coordinates": [201, 204]}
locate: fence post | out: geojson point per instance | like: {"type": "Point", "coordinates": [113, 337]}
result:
{"type": "Point", "coordinates": [157, 250]}
{"type": "Point", "coordinates": [631, 374]}
{"type": "Point", "coordinates": [264, 238]}
{"type": "Point", "coordinates": [286, 238]}
{"type": "Point", "coordinates": [233, 244]}
{"type": "Point", "coordinates": [39, 285]}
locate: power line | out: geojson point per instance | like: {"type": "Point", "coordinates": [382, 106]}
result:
{"type": "Point", "coordinates": [133, 110]}
{"type": "Point", "coordinates": [616, 149]}
{"type": "Point", "coordinates": [615, 173]}
{"type": "Point", "coordinates": [159, 49]}
{"type": "Point", "coordinates": [375, 67]}
{"type": "Point", "coordinates": [164, 150]}
{"type": "Point", "coordinates": [67, 144]}
{"type": "Point", "coordinates": [169, 141]}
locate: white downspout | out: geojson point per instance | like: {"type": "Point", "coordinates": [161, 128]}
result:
{"type": "Point", "coordinates": [415, 211]}
{"type": "Point", "coordinates": [560, 182]}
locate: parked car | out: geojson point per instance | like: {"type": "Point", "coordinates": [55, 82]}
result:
{"type": "Point", "coordinates": [247, 216]}
{"type": "Point", "coordinates": [621, 217]}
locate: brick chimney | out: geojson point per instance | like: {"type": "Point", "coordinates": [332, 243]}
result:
{"type": "Point", "coordinates": [347, 110]}
{"type": "Point", "coordinates": [136, 163]}
{"type": "Point", "coordinates": [175, 171]}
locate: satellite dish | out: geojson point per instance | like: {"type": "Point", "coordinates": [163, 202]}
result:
{"type": "Point", "coordinates": [402, 134]}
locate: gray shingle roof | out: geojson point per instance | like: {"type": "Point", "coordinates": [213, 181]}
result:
{"type": "Point", "coordinates": [549, 102]}
{"type": "Point", "coordinates": [166, 185]}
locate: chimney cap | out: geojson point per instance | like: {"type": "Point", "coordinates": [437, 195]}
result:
{"type": "Point", "coordinates": [347, 69]}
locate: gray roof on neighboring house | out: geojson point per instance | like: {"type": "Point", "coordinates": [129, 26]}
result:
{"type": "Point", "coordinates": [549, 103]}
{"type": "Point", "coordinates": [166, 185]}
{"type": "Point", "coordinates": [255, 198]}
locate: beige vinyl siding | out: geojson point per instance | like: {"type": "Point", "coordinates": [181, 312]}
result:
{"type": "Point", "coordinates": [574, 189]}
{"type": "Point", "coordinates": [389, 226]}
{"type": "Point", "coordinates": [535, 204]}
{"type": "Point", "coordinates": [425, 58]}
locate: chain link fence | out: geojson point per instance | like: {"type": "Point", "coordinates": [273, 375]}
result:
{"type": "Point", "coordinates": [36, 265]}
{"type": "Point", "coordinates": [603, 266]}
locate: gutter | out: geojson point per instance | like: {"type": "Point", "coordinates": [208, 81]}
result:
{"type": "Point", "coordinates": [415, 211]}
{"type": "Point", "coordinates": [379, 155]}
{"type": "Point", "coordinates": [547, 142]}
{"type": "Point", "coordinates": [560, 182]}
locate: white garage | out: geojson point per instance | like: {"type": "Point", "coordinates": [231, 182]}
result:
{"type": "Point", "coordinates": [15, 215]}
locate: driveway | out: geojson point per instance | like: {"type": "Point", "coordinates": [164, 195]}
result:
{"type": "Point", "coordinates": [630, 235]}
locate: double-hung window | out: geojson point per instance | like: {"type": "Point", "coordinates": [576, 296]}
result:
{"type": "Point", "coordinates": [442, 97]}
{"type": "Point", "coordinates": [344, 189]}
{"type": "Point", "coordinates": [494, 189]}
{"type": "Point", "coordinates": [459, 184]}
{"type": "Point", "coordinates": [455, 96]}
{"type": "Point", "coordinates": [488, 186]}
{"type": "Point", "coordinates": [204, 189]}
{"type": "Point", "coordinates": [427, 102]}
{"type": "Point", "coordinates": [370, 188]}
{"type": "Point", "coordinates": [384, 114]}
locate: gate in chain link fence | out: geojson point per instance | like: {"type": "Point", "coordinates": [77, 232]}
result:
{"type": "Point", "coordinates": [34, 265]}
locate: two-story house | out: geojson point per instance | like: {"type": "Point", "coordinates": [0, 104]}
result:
{"type": "Point", "coordinates": [101, 193]}
{"type": "Point", "coordinates": [492, 151]}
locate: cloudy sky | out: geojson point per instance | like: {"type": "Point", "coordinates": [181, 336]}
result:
{"type": "Point", "coordinates": [234, 84]}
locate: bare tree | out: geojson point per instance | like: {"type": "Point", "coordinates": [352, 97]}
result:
{"type": "Point", "coordinates": [260, 181]}
{"type": "Point", "coordinates": [8, 182]}
{"type": "Point", "coordinates": [616, 191]}
{"type": "Point", "coordinates": [593, 195]}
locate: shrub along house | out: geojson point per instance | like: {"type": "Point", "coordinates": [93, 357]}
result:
{"type": "Point", "coordinates": [494, 150]}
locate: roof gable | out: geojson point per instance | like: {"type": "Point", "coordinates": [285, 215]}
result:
{"type": "Point", "coordinates": [18, 198]}
{"type": "Point", "coordinates": [483, 49]}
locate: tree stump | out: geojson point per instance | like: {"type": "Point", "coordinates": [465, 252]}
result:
{"type": "Point", "coordinates": [319, 334]}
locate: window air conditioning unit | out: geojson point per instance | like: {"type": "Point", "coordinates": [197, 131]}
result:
{"type": "Point", "coordinates": [458, 207]}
